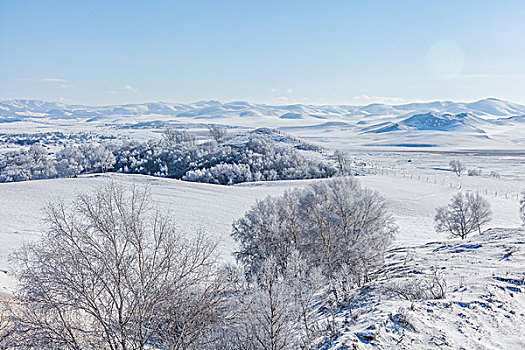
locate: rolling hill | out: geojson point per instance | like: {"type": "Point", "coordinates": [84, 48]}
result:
{"type": "Point", "coordinates": [484, 124]}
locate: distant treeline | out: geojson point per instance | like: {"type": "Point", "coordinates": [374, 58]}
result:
{"type": "Point", "coordinates": [255, 156]}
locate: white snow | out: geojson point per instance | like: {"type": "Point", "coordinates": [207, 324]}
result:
{"type": "Point", "coordinates": [213, 208]}
{"type": "Point", "coordinates": [489, 123]}
{"type": "Point", "coordinates": [483, 308]}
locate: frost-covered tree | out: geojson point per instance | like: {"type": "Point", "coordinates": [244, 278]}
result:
{"type": "Point", "coordinates": [99, 158]}
{"type": "Point", "coordinates": [343, 163]}
{"type": "Point", "coordinates": [174, 137]}
{"type": "Point", "coordinates": [463, 215]}
{"type": "Point", "coordinates": [279, 311]}
{"type": "Point", "coordinates": [335, 225]}
{"type": "Point", "coordinates": [217, 132]}
{"type": "Point", "coordinates": [224, 174]}
{"type": "Point", "coordinates": [70, 161]}
{"type": "Point", "coordinates": [74, 160]}
{"type": "Point", "coordinates": [269, 319]}
{"type": "Point", "coordinates": [479, 209]}
{"type": "Point", "coordinates": [26, 164]}
{"type": "Point", "coordinates": [112, 272]}
{"type": "Point", "coordinates": [457, 167]}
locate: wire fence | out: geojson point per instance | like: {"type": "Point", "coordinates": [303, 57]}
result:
{"type": "Point", "coordinates": [449, 182]}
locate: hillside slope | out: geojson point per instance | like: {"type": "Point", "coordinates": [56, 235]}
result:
{"type": "Point", "coordinates": [483, 306]}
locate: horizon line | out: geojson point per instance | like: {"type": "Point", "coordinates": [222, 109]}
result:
{"type": "Point", "coordinates": [258, 103]}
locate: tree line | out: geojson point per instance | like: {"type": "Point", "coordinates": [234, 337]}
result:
{"type": "Point", "coordinates": [254, 156]}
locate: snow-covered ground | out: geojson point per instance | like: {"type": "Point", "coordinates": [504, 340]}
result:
{"type": "Point", "coordinates": [213, 208]}
{"type": "Point", "coordinates": [195, 206]}
{"type": "Point", "coordinates": [483, 306]}
{"type": "Point", "coordinates": [413, 204]}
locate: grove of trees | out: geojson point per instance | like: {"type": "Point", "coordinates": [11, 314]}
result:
{"type": "Point", "coordinates": [255, 156]}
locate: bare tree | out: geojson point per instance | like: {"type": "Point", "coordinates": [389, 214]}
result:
{"type": "Point", "coordinates": [457, 167]}
{"type": "Point", "coordinates": [112, 272]}
{"type": "Point", "coordinates": [5, 324]}
{"type": "Point", "coordinates": [343, 163]}
{"type": "Point", "coordinates": [175, 137]}
{"type": "Point", "coordinates": [217, 132]}
{"type": "Point", "coordinates": [465, 214]}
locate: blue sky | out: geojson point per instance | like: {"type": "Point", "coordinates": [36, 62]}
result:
{"type": "Point", "coordinates": [279, 52]}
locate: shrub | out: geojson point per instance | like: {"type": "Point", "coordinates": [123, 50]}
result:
{"type": "Point", "coordinates": [474, 172]}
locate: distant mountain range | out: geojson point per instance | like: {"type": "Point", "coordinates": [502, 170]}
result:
{"type": "Point", "coordinates": [486, 123]}
{"type": "Point", "coordinates": [489, 107]}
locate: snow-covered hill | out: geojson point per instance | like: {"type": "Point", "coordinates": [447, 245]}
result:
{"type": "Point", "coordinates": [483, 306]}
{"type": "Point", "coordinates": [485, 124]}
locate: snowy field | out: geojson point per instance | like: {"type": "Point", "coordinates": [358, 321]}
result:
{"type": "Point", "coordinates": [213, 208]}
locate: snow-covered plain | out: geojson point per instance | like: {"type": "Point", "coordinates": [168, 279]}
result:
{"type": "Point", "coordinates": [213, 208]}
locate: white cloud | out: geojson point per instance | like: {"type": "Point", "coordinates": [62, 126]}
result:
{"type": "Point", "coordinates": [125, 88]}
{"type": "Point", "coordinates": [64, 100]}
{"type": "Point", "coordinates": [130, 88]}
{"type": "Point", "coordinates": [289, 91]}
{"type": "Point", "coordinates": [48, 80]}
{"type": "Point", "coordinates": [54, 80]}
